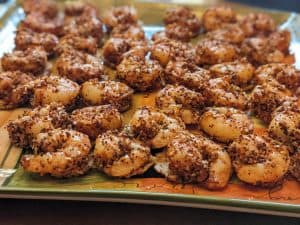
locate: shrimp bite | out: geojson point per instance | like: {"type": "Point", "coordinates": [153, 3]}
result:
{"type": "Point", "coordinates": [138, 72]}
{"type": "Point", "coordinates": [180, 102]}
{"type": "Point", "coordinates": [194, 159]}
{"type": "Point", "coordinates": [153, 127]}
{"type": "Point", "coordinates": [78, 8]}
{"type": "Point", "coordinates": [24, 129]}
{"type": "Point", "coordinates": [285, 124]}
{"type": "Point", "coordinates": [54, 89]}
{"type": "Point", "coordinates": [216, 17]}
{"type": "Point", "coordinates": [120, 156]}
{"type": "Point", "coordinates": [14, 89]}
{"type": "Point", "coordinates": [129, 31]}
{"type": "Point", "coordinates": [239, 72]}
{"type": "Point", "coordinates": [209, 51]}
{"type": "Point", "coordinates": [259, 160]}
{"type": "Point", "coordinates": [59, 153]}
{"type": "Point", "coordinates": [26, 38]}
{"type": "Point", "coordinates": [45, 7]}
{"type": "Point", "coordinates": [295, 166]}
{"type": "Point", "coordinates": [94, 92]}
{"type": "Point", "coordinates": [79, 66]}
{"type": "Point", "coordinates": [95, 120]}
{"type": "Point", "coordinates": [231, 33]}
{"type": "Point", "coordinates": [225, 124]}
{"type": "Point", "coordinates": [32, 60]}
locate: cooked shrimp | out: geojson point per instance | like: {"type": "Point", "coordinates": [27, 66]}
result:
{"type": "Point", "coordinates": [32, 60]}
{"type": "Point", "coordinates": [179, 101]}
{"type": "Point", "coordinates": [70, 42]}
{"type": "Point", "coordinates": [61, 153]}
{"type": "Point", "coordinates": [256, 24]}
{"type": "Point", "coordinates": [14, 89]}
{"type": "Point", "coordinates": [259, 160]}
{"type": "Point", "coordinates": [178, 32]}
{"type": "Point", "coordinates": [295, 166]}
{"type": "Point", "coordinates": [129, 31]}
{"type": "Point", "coordinates": [119, 15]}
{"type": "Point", "coordinates": [187, 74]}
{"type": "Point", "coordinates": [26, 38]}
{"type": "Point", "coordinates": [285, 74]}
{"type": "Point", "coordinates": [79, 66]}
{"type": "Point", "coordinates": [285, 124]}
{"type": "Point", "coordinates": [221, 93]}
{"type": "Point", "coordinates": [214, 18]}
{"type": "Point", "coordinates": [138, 72]}
{"type": "Point", "coordinates": [77, 8]}
{"type": "Point", "coordinates": [165, 50]}
{"type": "Point", "coordinates": [230, 33]}
{"type": "Point", "coordinates": [119, 156]}
{"type": "Point", "coordinates": [239, 72]}
{"type": "Point", "coordinates": [225, 124]}
{"type": "Point", "coordinates": [195, 159]}
{"type": "Point", "coordinates": [211, 52]}
{"type": "Point", "coordinates": [95, 120]}
{"type": "Point", "coordinates": [24, 129]}
{"type": "Point", "coordinates": [45, 7]}
{"type": "Point", "coordinates": [96, 92]}
{"type": "Point", "coordinates": [153, 127]}
{"type": "Point", "coordinates": [54, 89]}
{"type": "Point", "coordinates": [281, 40]}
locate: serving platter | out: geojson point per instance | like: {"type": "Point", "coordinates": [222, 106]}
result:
{"type": "Point", "coordinates": [150, 189]}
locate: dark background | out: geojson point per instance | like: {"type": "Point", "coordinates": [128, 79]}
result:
{"type": "Point", "coordinates": [290, 5]}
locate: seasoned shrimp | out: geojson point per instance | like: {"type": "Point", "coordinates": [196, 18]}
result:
{"type": "Point", "coordinates": [119, 15]}
{"type": "Point", "coordinates": [119, 156]}
{"type": "Point", "coordinates": [295, 166]}
{"type": "Point", "coordinates": [195, 159]}
{"type": "Point", "coordinates": [259, 160]}
{"type": "Point", "coordinates": [165, 50]}
{"type": "Point", "coordinates": [209, 51]}
{"type": "Point", "coordinates": [78, 8]}
{"type": "Point", "coordinates": [45, 7]}
{"type": "Point", "coordinates": [221, 93]}
{"type": "Point", "coordinates": [54, 89]}
{"type": "Point", "coordinates": [285, 124]}
{"type": "Point", "coordinates": [129, 31]}
{"type": "Point", "coordinates": [79, 66]}
{"type": "Point", "coordinates": [60, 153]}
{"type": "Point", "coordinates": [70, 42]}
{"type": "Point", "coordinates": [239, 72]}
{"type": "Point", "coordinates": [225, 124]}
{"type": "Point", "coordinates": [14, 89]}
{"type": "Point", "coordinates": [26, 38]}
{"type": "Point", "coordinates": [179, 101]}
{"type": "Point", "coordinates": [95, 120]}
{"type": "Point", "coordinates": [138, 72]}
{"type": "Point", "coordinates": [187, 74]}
{"type": "Point", "coordinates": [32, 60]}
{"type": "Point", "coordinates": [281, 40]}
{"type": "Point", "coordinates": [24, 129]}
{"type": "Point", "coordinates": [153, 127]}
{"type": "Point", "coordinates": [285, 74]}
{"type": "Point", "coordinates": [230, 33]}
{"type": "Point", "coordinates": [214, 18]}
{"type": "Point", "coordinates": [96, 92]}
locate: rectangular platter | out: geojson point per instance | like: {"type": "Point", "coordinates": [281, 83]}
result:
{"type": "Point", "coordinates": [15, 183]}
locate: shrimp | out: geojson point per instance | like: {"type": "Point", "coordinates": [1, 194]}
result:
{"type": "Point", "coordinates": [79, 66]}
{"type": "Point", "coordinates": [95, 120]}
{"type": "Point", "coordinates": [295, 166]}
{"type": "Point", "coordinates": [119, 15]}
{"type": "Point", "coordinates": [78, 8]}
{"type": "Point", "coordinates": [54, 89]}
{"type": "Point", "coordinates": [179, 32]}
{"type": "Point", "coordinates": [70, 42]}
{"type": "Point", "coordinates": [178, 101]}
{"type": "Point", "coordinates": [285, 74]}
{"type": "Point", "coordinates": [96, 92]}
{"type": "Point", "coordinates": [211, 52]}
{"type": "Point", "coordinates": [45, 7]}
{"type": "Point", "coordinates": [60, 153]}
{"type": "Point", "coordinates": [221, 93]}
{"type": "Point", "coordinates": [285, 124]}
{"type": "Point", "coordinates": [129, 31]}
{"type": "Point", "coordinates": [195, 159]}
{"type": "Point", "coordinates": [225, 124]}
{"type": "Point", "coordinates": [32, 60]}
{"type": "Point", "coordinates": [239, 72]}
{"type": "Point", "coordinates": [230, 33]}
{"type": "Point", "coordinates": [187, 74]}
{"type": "Point", "coordinates": [281, 40]}
{"type": "Point", "coordinates": [26, 38]}
{"type": "Point", "coordinates": [119, 156]}
{"type": "Point", "coordinates": [26, 127]}
{"type": "Point", "coordinates": [14, 89]}
{"type": "Point", "coordinates": [138, 72]}
{"type": "Point", "coordinates": [216, 17]}
{"type": "Point", "coordinates": [259, 160]}
{"type": "Point", "coordinates": [153, 127]}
